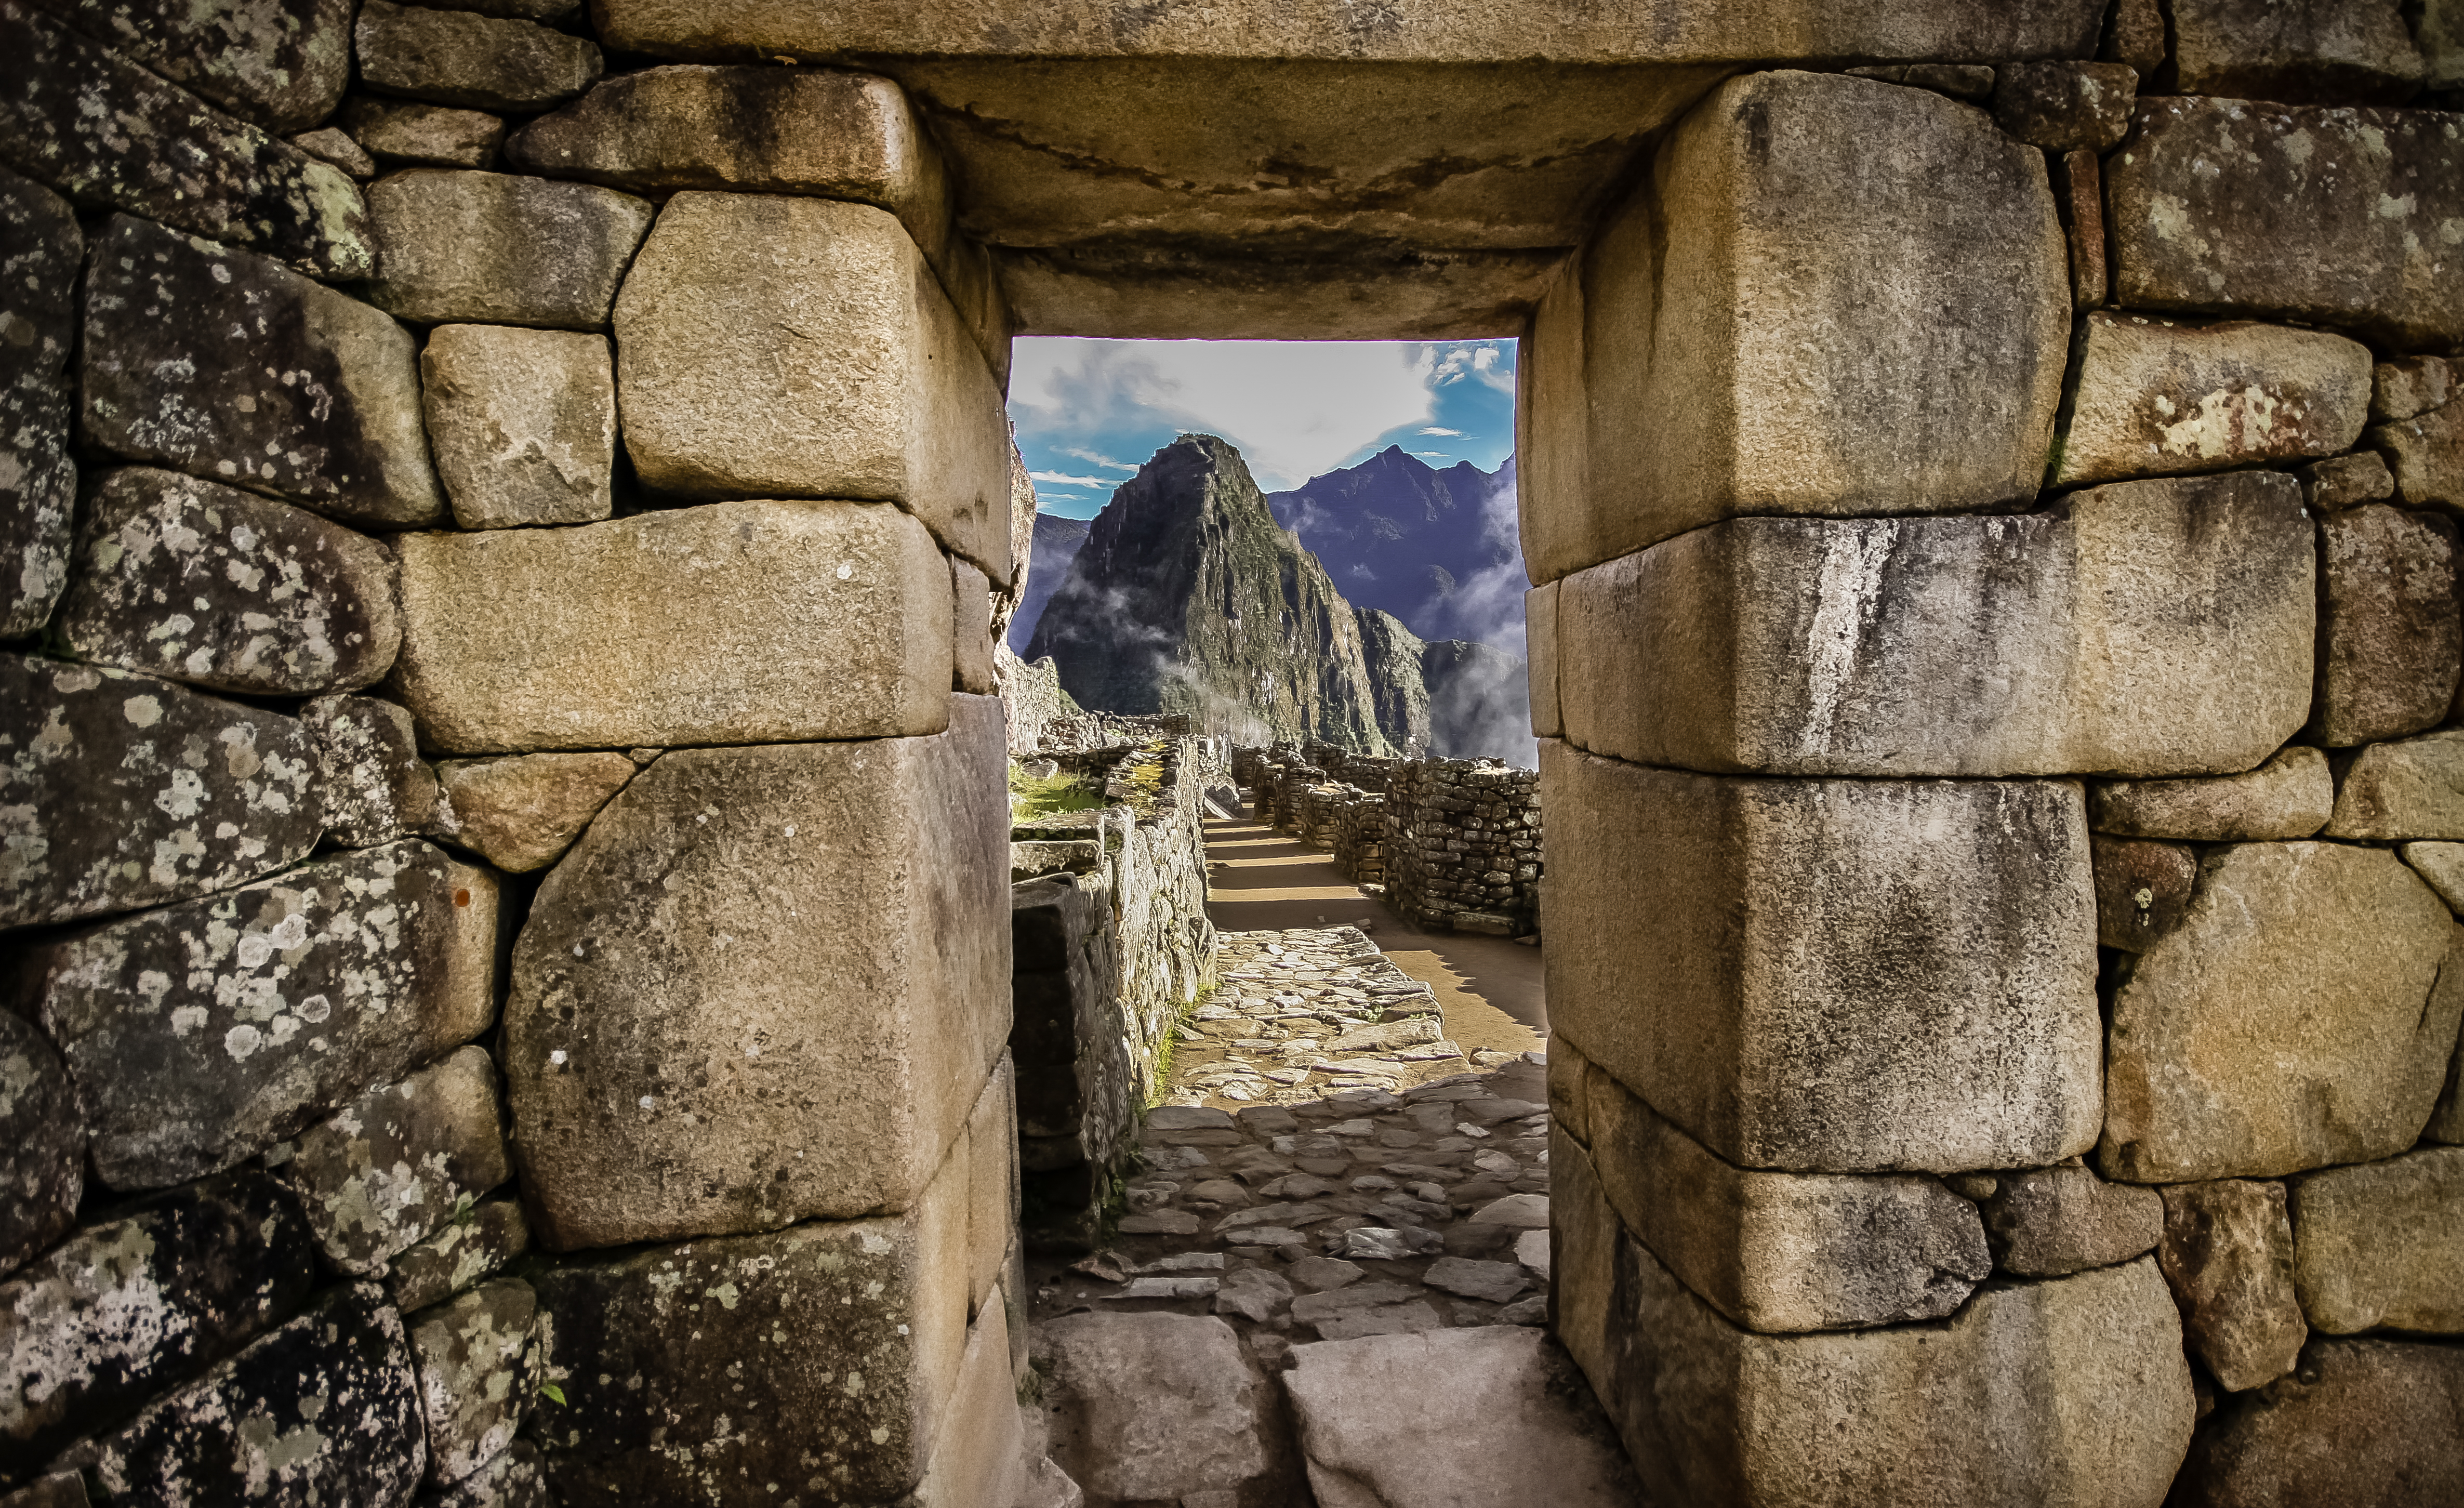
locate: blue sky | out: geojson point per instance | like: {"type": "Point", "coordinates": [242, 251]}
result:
{"type": "Point", "coordinates": [1089, 412]}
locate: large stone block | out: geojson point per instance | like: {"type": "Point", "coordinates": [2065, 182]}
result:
{"type": "Point", "coordinates": [513, 1479]}
{"type": "Point", "coordinates": [2410, 788]}
{"type": "Point", "coordinates": [1829, 976]}
{"type": "Point", "coordinates": [2155, 398]}
{"type": "Point", "coordinates": [203, 1033]}
{"type": "Point", "coordinates": [40, 248]}
{"type": "Point", "coordinates": [373, 782]}
{"type": "Point", "coordinates": [2143, 890]}
{"type": "Point", "coordinates": [123, 1310]}
{"type": "Point", "coordinates": [219, 587]}
{"type": "Point", "coordinates": [2410, 386]}
{"type": "Point", "coordinates": [1784, 1251]}
{"type": "Point", "coordinates": [481, 63]}
{"type": "Point", "coordinates": [877, 390]}
{"type": "Point", "coordinates": [102, 130]}
{"type": "Point", "coordinates": [473, 1246]}
{"type": "Point", "coordinates": [523, 423]}
{"type": "Point", "coordinates": [42, 1143]}
{"type": "Point", "coordinates": [399, 1161]}
{"type": "Point", "coordinates": [810, 620]}
{"type": "Point", "coordinates": [406, 133]}
{"type": "Point", "coordinates": [2290, 796]}
{"type": "Point", "coordinates": [522, 813]}
{"type": "Point", "coordinates": [675, 1070]}
{"type": "Point", "coordinates": [281, 64]}
{"type": "Point", "coordinates": [2329, 217]}
{"type": "Point", "coordinates": [992, 1183]}
{"type": "Point", "coordinates": [2065, 106]}
{"type": "Point", "coordinates": [476, 1375]}
{"type": "Point", "coordinates": [2378, 1246]}
{"type": "Point", "coordinates": [2288, 1023]}
{"type": "Point", "coordinates": [2052, 1221]}
{"type": "Point", "coordinates": [2298, 52]}
{"type": "Point", "coordinates": [315, 396]}
{"type": "Point", "coordinates": [2390, 640]}
{"type": "Point", "coordinates": [2427, 456]}
{"type": "Point", "coordinates": [810, 1364]}
{"type": "Point", "coordinates": [1913, 363]}
{"type": "Point", "coordinates": [120, 791]}
{"type": "Point", "coordinates": [2227, 1253]}
{"type": "Point", "coordinates": [2162, 628]}
{"type": "Point", "coordinates": [498, 249]}
{"type": "Point", "coordinates": [1150, 1405]}
{"type": "Point", "coordinates": [324, 1409]}
{"type": "Point", "coordinates": [2362, 1422]}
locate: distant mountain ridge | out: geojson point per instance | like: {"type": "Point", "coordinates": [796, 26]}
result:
{"type": "Point", "coordinates": [1438, 549]}
{"type": "Point", "coordinates": [1057, 543]}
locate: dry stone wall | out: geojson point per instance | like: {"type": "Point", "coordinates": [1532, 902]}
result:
{"type": "Point", "coordinates": [1998, 869]}
{"type": "Point", "coordinates": [504, 863]}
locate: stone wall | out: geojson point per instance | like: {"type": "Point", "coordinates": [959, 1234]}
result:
{"type": "Point", "coordinates": [503, 894]}
{"type": "Point", "coordinates": [2002, 843]}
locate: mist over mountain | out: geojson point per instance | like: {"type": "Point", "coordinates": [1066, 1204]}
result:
{"type": "Point", "coordinates": [1187, 596]}
{"type": "Point", "coordinates": [1057, 543]}
{"type": "Point", "coordinates": [1438, 549]}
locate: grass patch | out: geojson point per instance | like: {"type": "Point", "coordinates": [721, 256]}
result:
{"type": "Point", "coordinates": [1031, 798]}
{"type": "Point", "coordinates": [1171, 1043]}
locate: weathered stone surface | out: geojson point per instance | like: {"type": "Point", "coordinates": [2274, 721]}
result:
{"type": "Point", "coordinates": [2156, 398]}
{"type": "Point", "coordinates": [204, 1032]}
{"type": "Point", "coordinates": [401, 1160]}
{"type": "Point", "coordinates": [59, 1490]}
{"type": "Point", "coordinates": [993, 1191]}
{"type": "Point", "coordinates": [2142, 890]}
{"type": "Point", "coordinates": [102, 130]}
{"type": "Point", "coordinates": [40, 248]}
{"type": "Point", "coordinates": [2390, 640]}
{"type": "Point", "coordinates": [2227, 1253]}
{"type": "Point", "coordinates": [979, 1452]}
{"type": "Point", "coordinates": [2361, 1422]}
{"type": "Point", "coordinates": [512, 1479]}
{"type": "Point", "coordinates": [1455, 1418]}
{"type": "Point", "coordinates": [476, 1365]}
{"type": "Point", "coordinates": [370, 776]}
{"type": "Point", "coordinates": [2377, 1246]}
{"type": "Point", "coordinates": [316, 395]}
{"type": "Point", "coordinates": [1959, 81]}
{"type": "Point", "coordinates": [523, 423]}
{"type": "Point", "coordinates": [223, 588]}
{"type": "Point", "coordinates": [2305, 51]}
{"type": "Point", "coordinates": [2442, 865]}
{"type": "Point", "coordinates": [2439, 35]}
{"type": "Point", "coordinates": [123, 1310]}
{"type": "Point", "coordinates": [522, 813]}
{"type": "Point", "coordinates": [2409, 385]}
{"type": "Point", "coordinates": [699, 1373]}
{"type": "Point", "coordinates": [120, 791]}
{"type": "Point", "coordinates": [813, 620]}
{"type": "Point", "coordinates": [2290, 796]}
{"type": "Point", "coordinates": [2343, 481]}
{"type": "Point", "coordinates": [324, 1409]}
{"type": "Point", "coordinates": [476, 62]}
{"type": "Point", "coordinates": [2287, 1023]}
{"type": "Point", "coordinates": [498, 249]}
{"type": "Point", "coordinates": [2053, 1221]}
{"type": "Point", "coordinates": [879, 392]}
{"type": "Point", "coordinates": [2065, 107]}
{"type": "Point", "coordinates": [818, 1064]}
{"type": "Point", "coordinates": [1540, 659]}
{"type": "Point", "coordinates": [332, 144]}
{"type": "Point", "coordinates": [473, 1246]}
{"type": "Point", "coordinates": [1913, 991]}
{"type": "Point", "coordinates": [971, 630]}
{"type": "Point", "coordinates": [2409, 788]}
{"type": "Point", "coordinates": [406, 133]}
{"type": "Point", "coordinates": [2426, 454]}
{"type": "Point", "coordinates": [2332, 216]}
{"type": "Point", "coordinates": [2078, 193]}
{"type": "Point", "coordinates": [281, 65]}
{"type": "Point", "coordinates": [1915, 368]}
{"type": "Point", "coordinates": [42, 1145]}
{"type": "Point", "coordinates": [1149, 1405]}
{"type": "Point", "coordinates": [1780, 1252]}
{"type": "Point", "coordinates": [1982, 646]}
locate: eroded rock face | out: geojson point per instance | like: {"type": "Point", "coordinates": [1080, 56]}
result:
{"type": "Point", "coordinates": [120, 791]}
{"type": "Point", "coordinates": [2361, 1422]}
{"type": "Point", "coordinates": [2409, 385]}
{"type": "Point", "coordinates": [522, 813]}
{"type": "Point", "coordinates": [222, 588]}
{"type": "Point", "coordinates": [2409, 788]}
{"type": "Point", "coordinates": [1149, 1405]}
{"type": "Point", "coordinates": [675, 1071]}
{"type": "Point", "coordinates": [513, 1479]}
{"type": "Point", "coordinates": [2427, 454]}
{"type": "Point", "coordinates": [498, 249]}
{"type": "Point", "coordinates": [2309, 52]}
{"type": "Point", "coordinates": [315, 396]}
{"type": "Point", "coordinates": [2375, 1246]}
{"type": "Point", "coordinates": [1919, 997]}
{"type": "Point", "coordinates": [374, 785]}
{"type": "Point", "coordinates": [399, 1161]}
{"type": "Point", "coordinates": [476, 1375]}
{"type": "Point", "coordinates": [478, 61]}
{"type": "Point", "coordinates": [2227, 1253]}
{"type": "Point", "coordinates": [501, 653]}
{"type": "Point", "coordinates": [2288, 1023]}
{"type": "Point", "coordinates": [281, 64]}
{"type": "Point", "coordinates": [406, 133]}
{"type": "Point", "coordinates": [104, 130]}
{"type": "Point", "coordinates": [124, 1309]}
{"type": "Point", "coordinates": [2065, 107]}
{"type": "Point", "coordinates": [42, 1143]}
{"type": "Point", "coordinates": [40, 249]}
{"type": "Point", "coordinates": [523, 423]}
{"type": "Point", "coordinates": [2157, 398]}
{"type": "Point", "coordinates": [2143, 890]}
{"type": "Point", "coordinates": [323, 1410]}
{"type": "Point", "coordinates": [2390, 637]}
{"type": "Point", "coordinates": [2290, 796]}
{"type": "Point", "coordinates": [2053, 1221]}
{"type": "Point", "coordinates": [204, 1032]}
{"type": "Point", "coordinates": [2331, 217]}
{"type": "Point", "coordinates": [469, 1249]}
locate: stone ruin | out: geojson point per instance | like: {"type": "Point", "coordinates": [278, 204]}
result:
{"type": "Point", "coordinates": [499, 773]}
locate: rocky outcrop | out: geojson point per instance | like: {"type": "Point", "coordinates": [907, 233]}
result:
{"type": "Point", "coordinates": [1435, 548]}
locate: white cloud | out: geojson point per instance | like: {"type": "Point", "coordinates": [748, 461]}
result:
{"type": "Point", "coordinates": [1439, 455]}
{"type": "Point", "coordinates": [1478, 362]}
{"type": "Point", "coordinates": [1296, 409]}
{"type": "Point", "coordinates": [1066, 480]}
{"type": "Point", "coordinates": [1078, 454]}
{"type": "Point", "coordinates": [1442, 431]}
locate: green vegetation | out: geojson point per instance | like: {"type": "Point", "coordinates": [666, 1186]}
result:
{"type": "Point", "coordinates": [1031, 798]}
{"type": "Point", "coordinates": [1165, 1048]}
